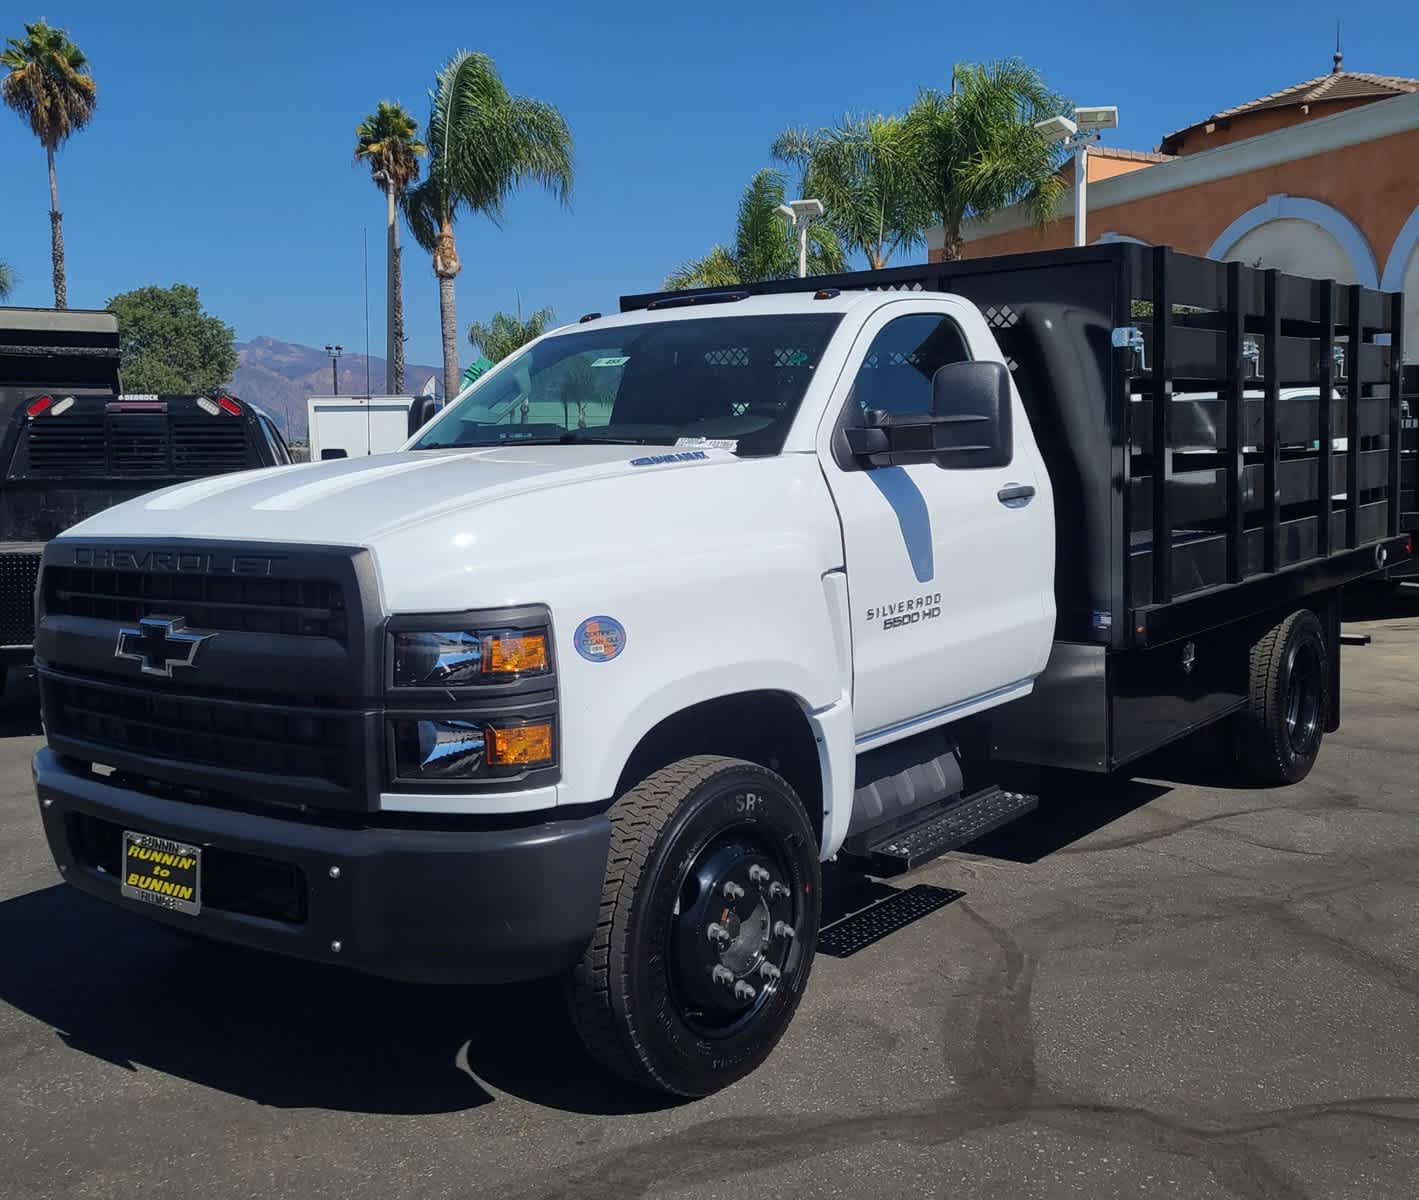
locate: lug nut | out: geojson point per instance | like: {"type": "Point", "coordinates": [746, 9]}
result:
{"type": "Point", "coordinates": [776, 889]}
{"type": "Point", "coordinates": [732, 891]}
{"type": "Point", "coordinates": [335, 947]}
{"type": "Point", "coordinates": [769, 971]}
{"type": "Point", "coordinates": [722, 974]}
{"type": "Point", "coordinates": [744, 991]}
{"type": "Point", "coordinates": [334, 872]}
{"type": "Point", "coordinates": [758, 874]}
{"type": "Point", "coordinates": [717, 932]}
{"type": "Point", "coordinates": [783, 929]}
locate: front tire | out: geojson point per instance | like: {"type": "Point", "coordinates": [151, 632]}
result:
{"type": "Point", "coordinates": [1278, 735]}
{"type": "Point", "coordinates": [707, 929]}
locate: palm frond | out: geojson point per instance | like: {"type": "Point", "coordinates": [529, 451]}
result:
{"type": "Point", "coordinates": [387, 142]}
{"type": "Point", "coordinates": [978, 144]}
{"type": "Point", "coordinates": [715, 269]}
{"type": "Point", "coordinates": [423, 205]}
{"type": "Point", "coordinates": [507, 333]}
{"type": "Point", "coordinates": [48, 83]}
{"type": "Point", "coordinates": [8, 280]}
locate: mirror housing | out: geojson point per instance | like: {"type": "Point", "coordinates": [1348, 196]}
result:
{"type": "Point", "coordinates": [421, 412]}
{"type": "Point", "coordinates": [968, 425]}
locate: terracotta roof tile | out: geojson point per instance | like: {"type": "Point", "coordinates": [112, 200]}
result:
{"type": "Point", "coordinates": [1337, 85]}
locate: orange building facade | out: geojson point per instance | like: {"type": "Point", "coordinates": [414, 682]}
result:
{"type": "Point", "coordinates": [1320, 180]}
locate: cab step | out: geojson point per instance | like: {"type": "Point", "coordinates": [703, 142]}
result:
{"type": "Point", "coordinates": [948, 826]}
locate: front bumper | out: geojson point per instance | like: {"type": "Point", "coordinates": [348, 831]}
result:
{"type": "Point", "coordinates": [428, 905]}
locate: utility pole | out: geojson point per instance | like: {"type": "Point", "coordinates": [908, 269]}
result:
{"type": "Point", "coordinates": [334, 352]}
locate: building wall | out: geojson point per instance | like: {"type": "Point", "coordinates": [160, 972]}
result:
{"type": "Point", "coordinates": [1375, 184]}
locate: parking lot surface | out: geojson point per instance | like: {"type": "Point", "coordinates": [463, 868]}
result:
{"type": "Point", "coordinates": [1166, 986]}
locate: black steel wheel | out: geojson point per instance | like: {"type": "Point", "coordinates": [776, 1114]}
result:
{"type": "Point", "coordinates": [708, 925]}
{"type": "Point", "coordinates": [1278, 735]}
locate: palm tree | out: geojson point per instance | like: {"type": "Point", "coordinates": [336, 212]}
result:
{"type": "Point", "coordinates": [980, 147]}
{"type": "Point", "coordinates": [483, 143]}
{"type": "Point", "coordinates": [387, 142]}
{"type": "Point", "coordinates": [868, 173]}
{"type": "Point", "coordinates": [49, 86]}
{"type": "Point", "coordinates": [7, 280]}
{"type": "Point", "coordinates": [507, 333]}
{"type": "Point", "coordinates": [763, 247]}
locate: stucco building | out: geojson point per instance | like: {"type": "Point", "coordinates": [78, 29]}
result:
{"type": "Point", "coordinates": [1320, 179]}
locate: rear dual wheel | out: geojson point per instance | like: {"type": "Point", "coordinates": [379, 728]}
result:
{"type": "Point", "coordinates": [707, 930]}
{"type": "Point", "coordinates": [1278, 735]}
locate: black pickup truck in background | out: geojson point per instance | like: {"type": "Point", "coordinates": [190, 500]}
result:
{"type": "Point", "coordinates": [72, 443]}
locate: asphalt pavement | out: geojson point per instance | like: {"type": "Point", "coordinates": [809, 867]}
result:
{"type": "Point", "coordinates": [1170, 986]}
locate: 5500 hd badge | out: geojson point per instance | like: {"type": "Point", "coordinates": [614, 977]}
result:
{"type": "Point", "coordinates": [900, 613]}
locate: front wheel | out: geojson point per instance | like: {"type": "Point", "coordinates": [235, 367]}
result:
{"type": "Point", "coordinates": [708, 925]}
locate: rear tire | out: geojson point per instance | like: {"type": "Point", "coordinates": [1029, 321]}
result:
{"type": "Point", "coordinates": [1278, 735]}
{"type": "Point", "coordinates": [707, 930]}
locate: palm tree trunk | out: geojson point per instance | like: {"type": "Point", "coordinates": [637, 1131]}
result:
{"type": "Point", "coordinates": [448, 320]}
{"type": "Point", "coordinates": [393, 360]}
{"type": "Point", "coordinates": [447, 266]}
{"type": "Point", "coordinates": [951, 246]}
{"type": "Point", "coordinates": [56, 236]}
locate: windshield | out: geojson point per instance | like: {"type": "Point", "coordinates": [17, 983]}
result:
{"type": "Point", "coordinates": [736, 381]}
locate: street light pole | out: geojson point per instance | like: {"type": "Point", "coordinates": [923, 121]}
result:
{"type": "Point", "coordinates": [1075, 135]}
{"type": "Point", "coordinates": [334, 352]}
{"type": "Point", "coordinates": [798, 213]}
{"type": "Point", "coordinates": [1081, 185]}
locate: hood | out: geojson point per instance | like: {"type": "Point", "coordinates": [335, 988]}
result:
{"type": "Point", "coordinates": [358, 502]}
{"type": "Point", "coordinates": [573, 526]}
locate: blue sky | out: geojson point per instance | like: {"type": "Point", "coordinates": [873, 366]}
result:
{"type": "Point", "coordinates": [221, 152]}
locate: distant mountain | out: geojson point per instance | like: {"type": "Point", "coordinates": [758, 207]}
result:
{"type": "Point", "coordinates": [279, 376]}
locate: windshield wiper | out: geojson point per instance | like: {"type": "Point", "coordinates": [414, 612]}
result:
{"type": "Point", "coordinates": [585, 435]}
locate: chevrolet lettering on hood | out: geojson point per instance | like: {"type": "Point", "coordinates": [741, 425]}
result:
{"type": "Point", "coordinates": [186, 562]}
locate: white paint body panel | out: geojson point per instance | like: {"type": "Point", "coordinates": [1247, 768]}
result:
{"type": "Point", "coordinates": [922, 539]}
{"type": "Point", "coordinates": [728, 573]}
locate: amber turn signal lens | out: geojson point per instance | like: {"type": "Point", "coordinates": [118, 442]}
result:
{"type": "Point", "coordinates": [511, 653]}
{"type": "Point", "coordinates": [519, 745]}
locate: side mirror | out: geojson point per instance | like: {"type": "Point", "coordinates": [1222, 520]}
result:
{"type": "Point", "coordinates": [968, 425]}
{"type": "Point", "coordinates": [421, 412]}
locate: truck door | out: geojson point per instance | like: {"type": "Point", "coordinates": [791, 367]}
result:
{"type": "Point", "coordinates": [950, 571]}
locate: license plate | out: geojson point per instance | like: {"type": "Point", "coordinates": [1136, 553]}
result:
{"type": "Point", "coordinates": [163, 872]}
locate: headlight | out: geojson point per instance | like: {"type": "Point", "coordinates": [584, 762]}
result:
{"type": "Point", "coordinates": [459, 748]}
{"type": "Point", "coordinates": [468, 657]}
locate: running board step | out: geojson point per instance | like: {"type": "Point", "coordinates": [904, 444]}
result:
{"type": "Point", "coordinates": [949, 827]}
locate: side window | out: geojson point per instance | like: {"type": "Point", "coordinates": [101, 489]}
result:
{"type": "Point", "coordinates": [896, 375]}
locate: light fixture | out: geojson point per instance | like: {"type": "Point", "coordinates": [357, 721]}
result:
{"type": "Point", "coordinates": [798, 213]}
{"type": "Point", "coordinates": [1075, 135]}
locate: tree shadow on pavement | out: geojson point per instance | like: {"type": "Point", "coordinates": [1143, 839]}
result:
{"type": "Point", "coordinates": [286, 1033]}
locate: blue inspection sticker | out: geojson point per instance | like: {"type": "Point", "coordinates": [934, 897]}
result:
{"type": "Point", "coordinates": [599, 639]}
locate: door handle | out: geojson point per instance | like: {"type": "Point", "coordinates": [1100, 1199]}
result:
{"type": "Point", "coordinates": [1015, 495]}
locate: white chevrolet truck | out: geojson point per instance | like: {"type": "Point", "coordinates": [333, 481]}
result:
{"type": "Point", "coordinates": [677, 604]}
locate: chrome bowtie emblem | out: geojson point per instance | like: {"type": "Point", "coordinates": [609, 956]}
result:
{"type": "Point", "coordinates": [158, 644]}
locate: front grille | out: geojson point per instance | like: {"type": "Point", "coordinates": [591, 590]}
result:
{"type": "Point", "coordinates": [17, 580]}
{"type": "Point", "coordinates": [307, 743]}
{"type": "Point", "coordinates": [298, 607]}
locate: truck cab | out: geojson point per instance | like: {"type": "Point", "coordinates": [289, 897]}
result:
{"type": "Point", "coordinates": [674, 605]}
